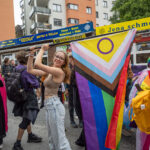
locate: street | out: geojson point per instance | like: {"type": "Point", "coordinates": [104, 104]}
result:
{"type": "Point", "coordinates": [127, 142]}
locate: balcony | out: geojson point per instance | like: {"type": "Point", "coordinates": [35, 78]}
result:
{"type": "Point", "coordinates": [31, 2]}
{"type": "Point", "coordinates": [39, 10]}
{"type": "Point", "coordinates": [21, 3]}
{"type": "Point", "coordinates": [23, 27]}
{"type": "Point", "coordinates": [40, 26]}
{"type": "Point", "coordinates": [42, 3]}
{"type": "Point", "coordinates": [22, 15]}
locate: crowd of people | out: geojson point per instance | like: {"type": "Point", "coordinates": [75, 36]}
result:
{"type": "Point", "coordinates": [46, 85]}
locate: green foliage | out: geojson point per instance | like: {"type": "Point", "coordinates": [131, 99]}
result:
{"type": "Point", "coordinates": [126, 10]}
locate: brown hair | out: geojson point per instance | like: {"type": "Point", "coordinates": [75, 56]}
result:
{"type": "Point", "coordinates": [6, 60]}
{"type": "Point", "coordinates": [65, 67]}
{"type": "Point", "coordinates": [21, 57]}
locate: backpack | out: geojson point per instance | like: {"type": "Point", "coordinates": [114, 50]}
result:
{"type": "Point", "coordinates": [15, 91]}
{"type": "Point", "coordinates": [141, 110]}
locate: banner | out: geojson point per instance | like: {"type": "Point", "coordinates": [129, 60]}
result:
{"type": "Point", "coordinates": [140, 24]}
{"type": "Point", "coordinates": [50, 35]}
{"type": "Point", "coordinates": [69, 38]}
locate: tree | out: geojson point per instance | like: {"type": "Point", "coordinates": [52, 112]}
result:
{"type": "Point", "coordinates": [126, 10]}
{"type": "Point", "coordinates": [19, 31]}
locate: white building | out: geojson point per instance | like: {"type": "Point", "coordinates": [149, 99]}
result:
{"type": "Point", "coordinates": [44, 15]}
{"type": "Point", "coordinates": [103, 11]}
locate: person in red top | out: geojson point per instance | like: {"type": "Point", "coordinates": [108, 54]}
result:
{"type": "Point", "coordinates": [3, 111]}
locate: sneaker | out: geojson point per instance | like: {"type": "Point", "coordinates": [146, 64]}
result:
{"type": "Point", "coordinates": [1, 146]}
{"type": "Point", "coordinates": [73, 124]}
{"type": "Point", "coordinates": [79, 143]}
{"type": "Point", "coordinates": [39, 100]}
{"type": "Point", "coordinates": [34, 138]}
{"type": "Point", "coordinates": [17, 147]}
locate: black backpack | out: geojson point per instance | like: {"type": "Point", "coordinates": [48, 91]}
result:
{"type": "Point", "coordinates": [15, 91]}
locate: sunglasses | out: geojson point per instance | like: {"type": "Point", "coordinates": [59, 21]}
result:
{"type": "Point", "coordinates": [59, 57]}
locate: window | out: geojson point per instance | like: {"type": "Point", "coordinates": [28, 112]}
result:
{"type": "Point", "coordinates": [73, 6]}
{"type": "Point", "coordinates": [88, 10]}
{"type": "Point", "coordinates": [96, 2]}
{"type": "Point", "coordinates": [73, 21]}
{"type": "Point", "coordinates": [105, 16]}
{"type": "Point", "coordinates": [97, 14]}
{"type": "Point", "coordinates": [113, 3]}
{"type": "Point", "coordinates": [105, 4]}
{"type": "Point", "coordinates": [57, 8]}
{"type": "Point", "coordinates": [57, 22]}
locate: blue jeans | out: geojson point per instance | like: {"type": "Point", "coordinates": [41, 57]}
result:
{"type": "Point", "coordinates": [55, 115]}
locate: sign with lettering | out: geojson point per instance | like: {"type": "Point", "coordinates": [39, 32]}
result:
{"type": "Point", "coordinates": [50, 35]}
{"type": "Point", "coordinates": [69, 38]}
{"type": "Point", "coordinates": [140, 24]}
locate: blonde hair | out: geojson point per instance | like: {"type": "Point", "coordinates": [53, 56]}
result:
{"type": "Point", "coordinates": [65, 67]}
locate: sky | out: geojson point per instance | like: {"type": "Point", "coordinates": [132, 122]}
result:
{"type": "Point", "coordinates": [17, 12]}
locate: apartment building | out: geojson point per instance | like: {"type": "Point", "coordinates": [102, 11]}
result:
{"type": "Point", "coordinates": [7, 25]}
{"type": "Point", "coordinates": [43, 15]}
{"type": "Point", "coordinates": [103, 11]}
{"type": "Point", "coordinates": [79, 12]}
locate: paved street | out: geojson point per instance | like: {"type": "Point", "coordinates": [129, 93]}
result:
{"type": "Point", "coordinates": [127, 143]}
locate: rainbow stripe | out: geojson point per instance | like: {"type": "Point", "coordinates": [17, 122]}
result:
{"type": "Point", "coordinates": [97, 107]}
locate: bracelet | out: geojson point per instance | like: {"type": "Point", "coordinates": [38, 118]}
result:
{"type": "Point", "coordinates": [30, 55]}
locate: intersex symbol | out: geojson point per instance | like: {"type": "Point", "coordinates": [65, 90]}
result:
{"type": "Point", "coordinates": [101, 51]}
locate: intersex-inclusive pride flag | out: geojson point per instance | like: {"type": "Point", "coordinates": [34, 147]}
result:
{"type": "Point", "coordinates": [101, 72]}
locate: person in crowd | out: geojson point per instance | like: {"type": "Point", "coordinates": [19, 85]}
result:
{"type": "Point", "coordinates": [55, 111]}
{"type": "Point", "coordinates": [3, 111]}
{"type": "Point", "coordinates": [74, 95]}
{"type": "Point", "coordinates": [6, 68]}
{"type": "Point", "coordinates": [38, 91]}
{"type": "Point", "coordinates": [74, 100]}
{"type": "Point", "coordinates": [0, 69]}
{"type": "Point", "coordinates": [12, 63]}
{"type": "Point", "coordinates": [27, 109]}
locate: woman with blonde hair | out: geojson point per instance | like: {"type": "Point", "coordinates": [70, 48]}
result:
{"type": "Point", "coordinates": [55, 111]}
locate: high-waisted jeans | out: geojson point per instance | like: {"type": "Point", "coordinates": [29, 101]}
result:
{"type": "Point", "coordinates": [55, 115]}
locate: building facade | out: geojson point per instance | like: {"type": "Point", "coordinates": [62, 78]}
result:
{"type": "Point", "coordinates": [79, 12]}
{"type": "Point", "coordinates": [43, 15]}
{"type": "Point", "coordinates": [7, 25]}
{"type": "Point", "coordinates": [103, 11]}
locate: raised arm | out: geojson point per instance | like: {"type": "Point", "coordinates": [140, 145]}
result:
{"type": "Point", "coordinates": [56, 72]}
{"type": "Point", "coordinates": [30, 68]}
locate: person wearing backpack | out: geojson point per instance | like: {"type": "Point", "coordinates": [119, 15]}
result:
{"type": "Point", "coordinates": [142, 83]}
{"type": "Point", "coordinates": [3, 111]}
{"type": "Point", "coordinates": [28, 107]}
